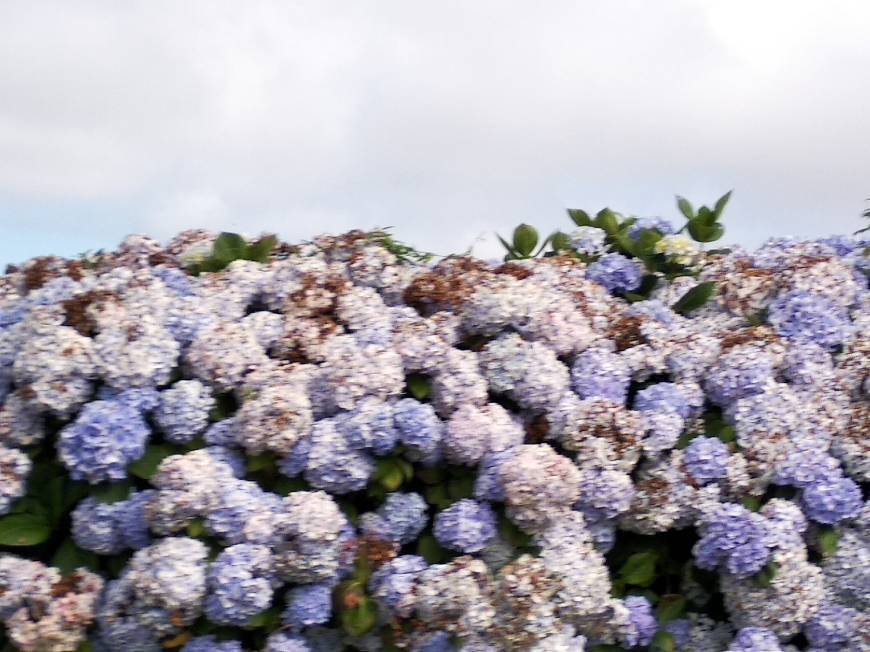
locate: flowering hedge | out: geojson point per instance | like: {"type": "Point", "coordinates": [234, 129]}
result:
{"type": "Point", "coordinates": [613, 440]}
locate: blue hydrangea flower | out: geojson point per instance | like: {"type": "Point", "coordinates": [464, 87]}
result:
{"type": "Point", "coordinates": [832, 500]}
{"type": "Point", "coordinates": [810, 317]}
{"type": "Point", "coordinates": [401, 518]}
{"type": "Point", "coordinates": [221, 433]}
{"type": "Point", "coordinates": [333, 465]}
{"type": "Point", "coordinates": [105, 438]}
{"type": "Point", "coordinates": [616, 273]}
{"type": "Point", "coordinates": [14, 468]}
{"type": "Point", "coordinates": [296, 461]}
{"type": "Point", "coordinates": [467, 526]}
{"type": "Point", "coordinates": [706, 459]}
{"type": "Point", "coordinates": [183, 410]}
{"type": "Point", "coordinates": [240, 584]}
{"type": "Point", "coordinates": [737, 376]}
{"type": "Point", "coordinates": [143, 399]}
{"type": "Point", "coordinates": [284, 642]}
{"type": "Point", "coordinates": [370, 425]}
{"type": "Point", "coordinates": [393, 584]}
{"type": "Point", "coordinates": [588, 240]}
{"type": "Point", "coordinates": [660, 224]}
{"type": "Point", "coordinates": [488, 485]}
{"type": "Point", "coordinates": [598, 373]}
{"type": "Point", "coordinates": [238, 503]}
{"type": "Point", "coordinates": [663, 397]}
{"type": "Point", "coordinates": [755, 639]}
{"type": "Point", "coordinates": [733, 539]}
{"type": "Point", "coordinates": [642, 619]}
{"type": "Point", "coordinates": [108, 529]}
{"type": "Point", "coordinates": [420, 429]}
{"type": "Point", "coordinates": [309, 604]}
{"type": "Point", "coordinates": [211, 644]}
{"type": "Point", "coordinates": [833, 627]}
{"type": "Point", "coordinates": [806, 465]}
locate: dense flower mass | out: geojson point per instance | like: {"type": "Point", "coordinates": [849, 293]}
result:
{"type": "Point", "coordinates": [223, 445]}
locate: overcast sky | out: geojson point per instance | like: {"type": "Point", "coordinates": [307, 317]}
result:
{"type": "Point", "coordinates": [447, 120]}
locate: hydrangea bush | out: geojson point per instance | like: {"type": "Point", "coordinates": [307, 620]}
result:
{"type": "Point", "coordinates": [613, 440]}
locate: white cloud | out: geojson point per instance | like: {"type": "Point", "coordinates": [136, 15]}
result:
{"type": "Point", "coordinates": [444, 119]}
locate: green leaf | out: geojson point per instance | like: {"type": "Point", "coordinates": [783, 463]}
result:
{"type": "Point", "coordinates": [579, 217]}
{"type": "Point", "coordinates": [721, 203]}
{"type": "Point", "coordinates": [389, 474]}
{"type": "Point", "coordinates": [752, 503]}
{"type": "Point", "coordinates": [407, 469]}
{"type": "Point", "coordinates": [829, 541]}
{"type": "Point", "coordinates": [437, 495]}
{"type": "Point", "coordinates": [606, 219]}
{"type": "Point", "coordinates": [146, 466]}
{"type": "Point", "coordinates": [265, 619]}
{"type": "Point", "coordinates": [359, 620]}
{"type": "Point", "coordinates": [685, 207]}
{"type": "Point", "coordinates": [430, 550]}
{"type": "Point", "coordinates": [430, 476]}
{"type": "Point", "coordinates": [111, 493]}
{"type": "Point", "coordinates": [229, 247]}
{"type": "Point", "coordinates": [525, 240]}
{"type": "Point", "coordinates": [196, 528]}
{"type": "Point", "coordinates": [765, 576]}
{"type": "Point", "coordinates": [560, 241]}
{"type": "Point", "coordinates": [695, 298]}
{"type": "Point", "coordinates": [670, 607]}
{"type": "Point", "coordinates": [607, 648]}
{"type": "Point", "coordinates": [508, 531]}
{"type": "Point", "coordinates": [23, 530]}
{"type": "Point", "coordinates": [261, 249]}
{"type": "Point", "coordinates": [419, 386]}
{"type": "Point", "coordinates": [506, 245]}
{"type": "Point", "coordinates": [69, 557]}
{"type": "Point", "coordinates": [646, 241]}
{"type": "Point", "coordinates": [460, 487]}
{"type": "Point", "coordinates": [727, 434]}
{"type": "Point", "coordinates": [639, 569]}
{"type": "Point", "coordinates": [663, 642]}
{"type": "Point", "coordinates": [260, 462]}
{"type": "Point", "coordinates": [703, 232]}
{"type": "Point", "coordinates": [85, 647]}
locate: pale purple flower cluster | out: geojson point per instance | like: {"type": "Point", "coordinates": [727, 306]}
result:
{"type": "Point", "coordinates": [338, 449]}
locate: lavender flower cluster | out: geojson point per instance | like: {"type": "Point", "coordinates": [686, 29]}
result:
{"type": "Point", "coordinates": [341, 448]}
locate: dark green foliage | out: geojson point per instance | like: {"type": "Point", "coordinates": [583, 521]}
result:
{"type": "Point", "coordinates": [231, 246]}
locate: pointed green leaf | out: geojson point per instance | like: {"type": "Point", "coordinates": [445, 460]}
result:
{"type": "Point", "coordinates": [229, 247]}
{"type": "Point", "coordinates": [829, 541]}
{"type": "Point", "coordinates": [23, 530]}
{"type": "Point", "coordinates": [430, 550]}
{"type": "Point", "coordinates": [146, 466]}
{"type": "Point", "coordinates": [702, 232]}
{"type": "Point", "coordinates": [606, 219]}
{"type": "Point", "coordinates": [506, 245]}
{"type": "Point", "coordinates": [419, 386]}
{"type": "Point", "coordinates": [560, 241]}
{"type": "Point", "coordinates": [695, 298]}
{"type": "Point", "coordinates": [639, 569]}
{"type": "Point", "coordinates": [670, 607]}
{"type": "Point", "coordinates": [525, 240]}
{"type": "Point", "coordinates": [664, 642]}
{"type": "Point", "coordinates": [579, 217]}
{"type": "Point", "coordinates": [261, 249]}
{"type": "Point", "coordinates": [69, 558]}
{"type": "Point", "coordinates": [685, 207]}
{"type": "Point", "coordinates": [360, 620]}
{"type": "Point", "coordinates": [721, 203]}
{"type": "Point", "coordinates": [111, 493]}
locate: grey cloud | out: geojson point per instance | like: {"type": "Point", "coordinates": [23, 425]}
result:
{"type": "Point", "coordinates": [446, 120]}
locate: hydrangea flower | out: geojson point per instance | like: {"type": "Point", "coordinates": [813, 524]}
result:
{"type": "Point", "coordinates": [466, 526]}
{"type": "Point", "coordinates": [831, 500]}
{"type": "Point", "coordinates": [810, 317]}
{"type": "Point", "coordinates": [308, 605]}
{"type": "Point", "coordinates": [734, 539]}
{"type": "Point", "coordinates": [616, 273]}
{"type": "Point", "coordinates": [183, 410]}
{"type": "Point", "coordinates": [103, 440]}
{"type": "Point", "coordinates": [707, 459]}
{"type": "Point", "coordinates": [401, 518]}
{"type": "Point", "coordinates": [240, 583]}
{"type": "Point", "coordinates": [14, 468]}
